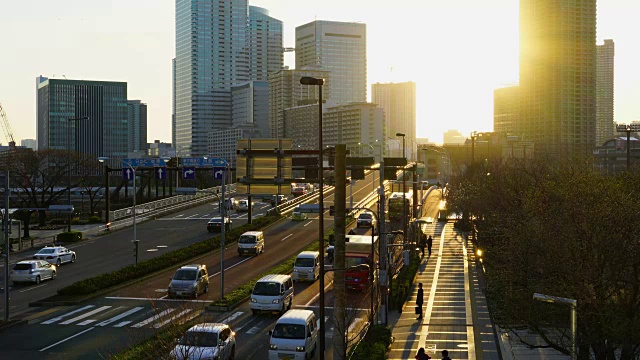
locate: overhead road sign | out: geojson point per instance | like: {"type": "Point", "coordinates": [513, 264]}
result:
{"type": "Point", "coordinates": [153, 162]}
{"type": "Point", "coordinates": [188, 173]}
{"type": "Point", "coordinates": [362, 161]}
{"type": "Point", "coordinates": [202, 162]}
{"type": "Point", "coordinates": [161, 173]}
{"type": "Point", "coordinates": [218, 173]}
{"type": "Point", "coordinates": [128, 173]}
{"type": "Point", "coordinates": [395, 161]}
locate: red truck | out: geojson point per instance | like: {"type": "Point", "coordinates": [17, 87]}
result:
{"type": "Point", "coordinates": [359, 261]}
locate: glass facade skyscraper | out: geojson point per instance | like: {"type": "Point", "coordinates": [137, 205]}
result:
{"type": "Point", "coordinates": [214, 51]}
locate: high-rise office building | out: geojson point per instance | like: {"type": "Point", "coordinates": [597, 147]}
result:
{"type": "Point", "coordinates": [285, 91]}
{"type": "Point", "coordinates": [558, 76]}
{"type": "Point", "coordinates": [341, 49]}
{"type": "Point", "coordinates": [506, 109]}
{"type": "Point", "coordinates": [398, 100]}
{"type": "Point", "coordinates": [358, 125]}
{"type": "Point", "coordinates": [137, 114]}
{"type": "Point", "coordinates": [605, 128]}
{"type": "Point", "coordinates": [265, 36]}
{"type": "Point", "coordinates": [214, 47]}
{"type": "Point", "coordinates": [250, 106]}
{"type": "Point", "coordinates": [104, 103]}
{"type": "Point", "coordinates": [173, 102]}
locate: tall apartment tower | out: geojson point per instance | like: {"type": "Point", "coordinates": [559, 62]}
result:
{"type": "Point", "coordinates": [214, 50]}
{"type": "Point", "coordinates": [558, 76]}
{"type": "Point", "coordinates": [506, 109]}
{"type": "Point", "coordinates": [137, 115]}
{"type": "Point", "coordinates": [605, 127]}
{"type": "Point", "coordinates": [398, 100]}
{"type": "Point", "coordinates": [104, 133]}
{"type": "Point", "coordinates": [341, 49]}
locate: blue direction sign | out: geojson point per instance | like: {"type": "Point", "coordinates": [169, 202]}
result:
{"type": "Point", "coordinates": [127, 173]}
{"type": "Point", "coordinates": [218, 173]}
{"type": "Point", "coordinates": [154, 162]}
{"type": "Point", "coordinates": [161, 173]}
{"type": "Point", "coordinates": [188, 173]}
{"type": "Point", "coordinates": [202, 162]}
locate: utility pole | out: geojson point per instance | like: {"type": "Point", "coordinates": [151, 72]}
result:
{"type": "Point", "coordinates": [7, 243]}
{"type": "Point", "coordinates": [340, 323]}
{"type": "Point", "coordinates": [384, 264]}
{"type": "Point", "coordinates": [414, 211]}
{"type": "Point", "coordinates": [223, 214]}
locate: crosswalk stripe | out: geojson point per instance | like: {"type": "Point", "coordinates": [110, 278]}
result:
{"type": "Point", "coordinates": [58, 318]}
{"type": "Point", "coordinates": [86, 315]}
{"type": "Point", "coordinates": [118, 317]}
{"type": "Point", "coordinates": [159, 325]}
{"type": "Point", "coordinates": [122, 324]}
{"type": "Point", "coordinates": [232, 317]}
{"type": "Point", "coordinates": [86, 322]}
{"type": "Point", "coordinates": [153, 318]}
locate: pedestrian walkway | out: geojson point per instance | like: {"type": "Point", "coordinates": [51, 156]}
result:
{"type": "Point", "coordinates": [455, 315]}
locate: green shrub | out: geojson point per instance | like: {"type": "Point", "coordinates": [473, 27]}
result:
{"type": "Point", "coordinates": [375, 344]}
{"type": "Point", "coordinates": [78, 222]}
{"type": "Point", "coordinates": [70, 236]}
{"type": "Point", "coordinates": [402, 284]}
{"type": "Point", "coordinates": [95, 220]}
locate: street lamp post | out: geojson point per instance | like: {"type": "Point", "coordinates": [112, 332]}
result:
{"type": "Point", "coordinates": [473, 136]}
{"type": "Point", "coordinates": [573, 304]}
{"type": "Point", "coordinates": [404, 185]}
{"type": "Point", "coordinates": [69, 120]}
{"type": "Point", "coordinates": [307, 80]}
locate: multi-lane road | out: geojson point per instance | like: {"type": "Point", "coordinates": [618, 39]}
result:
{"type": "Point", "coordinates": [113, 322]}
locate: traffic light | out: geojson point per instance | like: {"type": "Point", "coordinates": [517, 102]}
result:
{"type": "Point", "coordinates": [332, 210]}
{"type": "Point", "coordinates": [390, 173]}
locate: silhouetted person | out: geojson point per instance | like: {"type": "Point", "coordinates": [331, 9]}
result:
{"type": "Point", "coordinates": [419, 301]}
{"type": "Point", "coordinates": [421, 355]}
{"type": "Point", "coordinates": [429, 244]}
{"type": "Point", "coordinates": [445, 355]}
{"type": "Point", "coordinates": [423, 243]}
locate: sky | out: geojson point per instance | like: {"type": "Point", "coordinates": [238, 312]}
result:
{"type": "Point", "coordinates": [456, 51]}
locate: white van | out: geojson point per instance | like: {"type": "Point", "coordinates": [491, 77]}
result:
{"type": "Point", "coordinates": [272, 293]}
{"type": "Point", "coordinates": [251, 242]}
{"type": "Point", "coordinates": [307, 266]}
{"type": "Point", "coordinates": [295, 336]}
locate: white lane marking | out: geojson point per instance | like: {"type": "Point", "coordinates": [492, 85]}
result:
{"type": "Point", "coordinates": [86, 322]}
{"type": "Point", "coordinates": [51, 321]}
{"type": "Point", "coordinates": [100, 309]}
{"type": "Point", "coordinates": [170, 319]}
{"type": "Point", "coordinates": [118, 317]}
{"type": "Point", "coordinates": [153, 318]}
{"type": "Point", "coordinates": [471, 348]}
{"type": "Point", "coordinates": [253, 330]}
{"type": "Point", "coordinates": [318, 294]}
{"type": "Point", "coordinates": [232, 317]}
{"type": "Point", "coordinates": [307, 223]}
{"type": "Point", "coordinates": [69, 338]}
{"type": "Point", "coordinates": [122, 324]}
{"type": "Point", "coordinates": [232, 266]}
{"type": "Point", "coordinates": [181, 215]}
{"type": "Point", "coordinates": [194, 215]}
{"type": "Point", "coordinates": [35, 287]}
{"type": "Point", "coordinates": [426, 319]}
{"type": "Point", "coordinates": [152, 250]}
{"type": "Point", "coordinates": [161, 246]}
{"type": "Point", "coordinates": [286, 237]}
{"type": "Point", "coordinates": [153, 299]}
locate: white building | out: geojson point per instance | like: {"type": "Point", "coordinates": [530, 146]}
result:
{"type": "Point", "coordinates": [357, 125]}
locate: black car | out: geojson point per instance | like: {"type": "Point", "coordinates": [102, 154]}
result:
{"type": "Point", "coordinates": [215, 224]}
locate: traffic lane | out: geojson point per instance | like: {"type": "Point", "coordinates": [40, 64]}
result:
{"type": "Point", "coordinates": [277, 241]}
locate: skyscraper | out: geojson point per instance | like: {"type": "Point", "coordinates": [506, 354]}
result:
{"type": "Point", "coordinates": [214, 50]}
{"type": "Point", "coordinates": [399, 103]}
{"type": "Point", "coordinates": [341, 49]}
{"type": "Point", "coordinates": [265, 36]}
{"type": "Point", "coordinates": [137, 115]}
{"type": "Point", "coordinates": [105, 133]}
{"type": "Point", "coordinates": [506, 109]}
{"type": "Point", "coordinates": [605, 127]}
{"type": "Point", "coordinates": [558, 75]}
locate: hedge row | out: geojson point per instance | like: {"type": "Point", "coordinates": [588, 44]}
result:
{"type": "Point", "coordinates": [100, 282]}
{"type": "Point", "coordinates": [70, 236]}
{"type": "Point", "coordinates": [402, 284]}
{"type": "Point", "coordinates": [375, 344]}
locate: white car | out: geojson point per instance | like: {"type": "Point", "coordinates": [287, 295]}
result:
{"type": "Point", "coordinates": [55, 255]}
{"type": "Point", "coordinates": [32, 271]}
{"type": "Point", "coordinates": [206, 341]}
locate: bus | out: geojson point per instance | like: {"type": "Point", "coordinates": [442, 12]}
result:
{"type": "Point", "coordinates": [396, 211]}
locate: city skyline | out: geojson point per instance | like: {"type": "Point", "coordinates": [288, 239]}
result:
{"type": "Point", "coordinates": [139, 51]}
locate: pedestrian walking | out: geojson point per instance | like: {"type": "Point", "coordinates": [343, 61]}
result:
{"type": "Point", "coordinates": [429, 245]}
{"type": "Point", "coordinates": [419, 301]}
{"type": "Point", "coordinates": [421, 355]}
{"type": "Point", "coordinates": [423, 243]}
{"type": "Point", "coordinates": [445, 355]}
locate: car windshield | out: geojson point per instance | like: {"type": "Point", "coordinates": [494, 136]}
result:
{"type": "Point", "coordinates": [184, 274]}
{"type": "Point", "coordinates": [305, 262]}
{"type": "Point", "coordinates": [365, 216]}
{"type": "Point", "coordinates": [266, 288]}
{"type": "Point", "coordinates": [247, 239]}
{"type": "Point", "coordinates": [288, 331]}
{"type": "Point", "coordinates": [47, 251]}
{"type": "Point", "coordinates": [22, 267]}
{"type": "Point", "coordinates": [215, 221]}
{"type": "Point", "coordinates": [197, 338]}
{"type": "Point", "coordinates": [354, 261]}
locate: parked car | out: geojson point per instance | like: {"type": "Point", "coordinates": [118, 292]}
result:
{"type": "Point", "coordinates": [206, 341]}
{"type": "Point", "coordinates": [55, 255]}
{"type": "Point", "coordinates": [215, 224]}
{"type": "Point", "coordinates": [32, 271]}
{"type": "Point", "coordinates": [189, 281]}
{"type": "Point", "coordinates": [298, 190]}
{"type": "Point", "coordinates": [366, 219]}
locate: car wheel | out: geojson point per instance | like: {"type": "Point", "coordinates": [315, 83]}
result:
{"type": "Point", "coordinates": [206, 288]}
{"type": "Point", "coordinates": [233, 353]}
{"type": "Point", "coordinates": [289, 307]}
{"type": "Point", "coordinates": [37, 279]}
{"type": "Point", "coordinates": [73, 259]}
{"type": "Point", "coordinates": [254, 312]}
{"type": "Point", "coordinates": [58, 262]}
{"type": "Point", "coordinates": [53, 275]}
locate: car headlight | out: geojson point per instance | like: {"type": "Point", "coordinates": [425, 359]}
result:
{"type": "Point", "coordinates": [299, 348]}
{"type": "Point", "coordinates": [276, 301]}
{"type": "Point", "coordinates": [273, 347]}
{"type": "Point", "coordinates": [253, 300]}
{"type": "Point", "coordinates": [295, 270]}
{"type": "Point", "coordinates": [310, 270]}
{"type": "Point", "coordinates": [355, 279]}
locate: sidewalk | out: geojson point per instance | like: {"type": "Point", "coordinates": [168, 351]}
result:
{"type": "Point", "coordinates": [41, 238]}
{"type": "Point", "coordinates": [455, 315]}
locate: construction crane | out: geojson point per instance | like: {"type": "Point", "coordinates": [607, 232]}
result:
{"type": "Point", "coordinates": [6, 128]}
